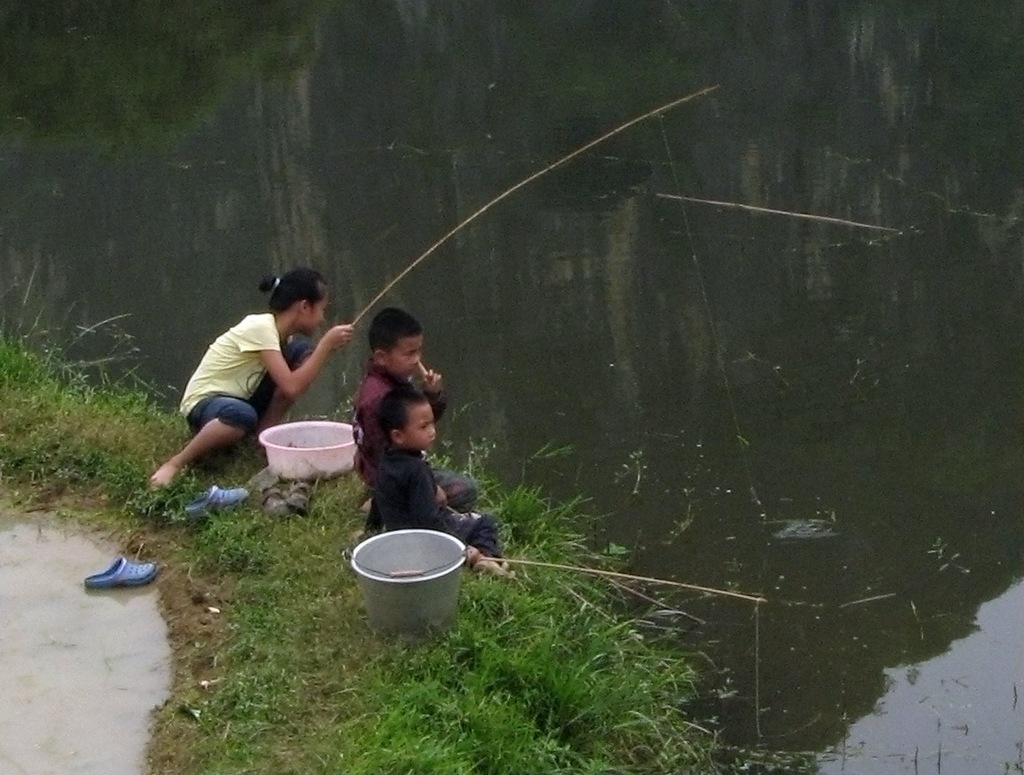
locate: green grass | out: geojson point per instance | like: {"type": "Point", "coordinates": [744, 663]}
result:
{"type": "Point", "coordinates": [60, 431]}
{"type": "Point", "coordinates": [538, 675]}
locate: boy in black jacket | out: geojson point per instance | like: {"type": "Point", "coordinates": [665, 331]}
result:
{"type": "Point", "coordinates": [404, 493]}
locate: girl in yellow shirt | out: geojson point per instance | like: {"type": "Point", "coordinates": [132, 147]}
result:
{"type": "Point", "coordinates": [253, 372]}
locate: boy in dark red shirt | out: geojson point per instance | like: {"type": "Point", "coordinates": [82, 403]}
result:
{"type": "Point", "coordinates": [396, 345]}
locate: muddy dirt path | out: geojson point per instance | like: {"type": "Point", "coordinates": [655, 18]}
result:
{"type": "Point", "coordinates": [80, 671]}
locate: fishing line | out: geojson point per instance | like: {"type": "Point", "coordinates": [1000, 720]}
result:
{"type": "Point", "coordinates": [732, 409]}
{"type": "Point", "coordinates": [740, 439]}
{"type": "Point", "coordinates": [757, 671]}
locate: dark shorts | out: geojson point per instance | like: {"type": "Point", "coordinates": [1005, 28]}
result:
{"type": "Point", "coordinates": [241, 412]}
{"type": "Point", "coordinates": [460, 489]}
{"type": "Point", "coordinates": [475, 529]}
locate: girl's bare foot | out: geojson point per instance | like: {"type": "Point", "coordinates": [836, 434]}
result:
{"type": "Point", "coordinates": [164, 475]}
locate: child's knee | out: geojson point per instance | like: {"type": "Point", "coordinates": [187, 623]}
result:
{"type": "Point", "coordinates": [461, 492]}
{"type": "Point", "coordinates": [231, 411]}
{"type": "Point", "coordinates": [241, 416]}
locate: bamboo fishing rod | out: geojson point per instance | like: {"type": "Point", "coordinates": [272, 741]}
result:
{"type": "Point", "coordinates": [631, 577]}
{"type": "Point", "coordinates": [771, 211]}
{"type": "Point", "coordinates": [508, 192]}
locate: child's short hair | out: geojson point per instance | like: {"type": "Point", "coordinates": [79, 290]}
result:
{"type": "Point", "coordinates": [393, 412]}
{"type": "Point", "coordinates": [391, 324]}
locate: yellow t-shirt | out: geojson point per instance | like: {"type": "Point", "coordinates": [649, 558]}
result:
{"type": "Point", "coordinates": [232, 365]}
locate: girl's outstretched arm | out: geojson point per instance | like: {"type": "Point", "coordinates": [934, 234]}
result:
{"type": "Point", "coordinates": [293, 384]}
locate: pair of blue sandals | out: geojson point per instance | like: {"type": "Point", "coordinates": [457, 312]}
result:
{"type": "Point", "coordinates": [125, 573]}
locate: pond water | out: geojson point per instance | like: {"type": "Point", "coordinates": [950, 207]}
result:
{"type": "Point", "coordinates": [936, 705]}
{"type": "Point", "coordinates": [823, 412]}
{"type": "Point", "coordinates": [81, 670]}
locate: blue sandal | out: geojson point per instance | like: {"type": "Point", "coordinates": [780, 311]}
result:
{"type": "Point", "coordinates": [216, 498]}
{"type": "Point", "coordinates": [122, 573]}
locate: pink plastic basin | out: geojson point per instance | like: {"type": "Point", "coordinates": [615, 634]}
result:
{"type": "Point", "coordinates": [310, 449]}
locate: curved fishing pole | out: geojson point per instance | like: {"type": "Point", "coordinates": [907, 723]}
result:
{"type": "Point", "coordinates": [649, 114]}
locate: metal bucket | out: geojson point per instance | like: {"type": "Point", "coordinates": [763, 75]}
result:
{"type": "Point", "coordinates": [410, 581]}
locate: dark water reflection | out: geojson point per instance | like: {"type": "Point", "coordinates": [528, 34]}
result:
{"type": "Point", "coordinates": [717, 373]}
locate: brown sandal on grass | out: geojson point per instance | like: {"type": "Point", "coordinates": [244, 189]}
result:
{"type": "Point", "coordinates": [274, 502]}
{"type": "Point", "coordinates": [297, 497]}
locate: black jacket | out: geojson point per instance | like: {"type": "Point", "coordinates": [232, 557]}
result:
{"type": "Point", "coordinates": [404, 495]}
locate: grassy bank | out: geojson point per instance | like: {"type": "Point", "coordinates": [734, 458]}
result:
{"type": "Point", "coordinates": [276, 671]}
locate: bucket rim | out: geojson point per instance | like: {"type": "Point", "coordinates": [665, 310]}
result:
{"type": "Point", "coordinates": [430, 574]}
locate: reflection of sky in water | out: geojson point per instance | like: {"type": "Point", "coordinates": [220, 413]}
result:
{"type": "Point", "coordinates": [80, 671]}
{"type": "Point", "coordinates": [960, 713]}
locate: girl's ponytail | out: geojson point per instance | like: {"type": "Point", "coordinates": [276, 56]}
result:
{"type": "Point", "coordinates": [302, 284]}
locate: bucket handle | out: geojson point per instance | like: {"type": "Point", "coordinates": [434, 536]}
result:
{"type": "Point", "coordinates": [405, 574]}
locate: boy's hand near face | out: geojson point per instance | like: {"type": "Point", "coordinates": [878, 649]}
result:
{"type": "Point", "coordinates": [432, 381]}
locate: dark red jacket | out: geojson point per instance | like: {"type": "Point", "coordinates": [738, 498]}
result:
{"type": "Point", "coordinates": [370, 441]}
